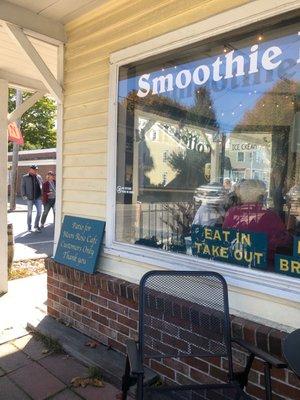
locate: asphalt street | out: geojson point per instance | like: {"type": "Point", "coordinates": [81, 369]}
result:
{"type": "Point", "coordinates": [29, 245]}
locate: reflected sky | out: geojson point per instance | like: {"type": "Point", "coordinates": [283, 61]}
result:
{"type": "Point", "coordinates": [231, 98]}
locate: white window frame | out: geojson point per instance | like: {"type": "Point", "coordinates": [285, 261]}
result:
{"type": "Point", "coordinates": [262, 283]}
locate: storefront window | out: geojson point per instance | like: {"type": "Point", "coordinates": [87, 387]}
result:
{"type": "Point", "coordinates": [208, 159]}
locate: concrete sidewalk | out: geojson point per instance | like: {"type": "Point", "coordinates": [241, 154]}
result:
{"type": "Point", "coordinates": [30, 245]}
{"type": "Point", "coordinates": [29, 372]}
{"type": "Point", "coordinates": [25, 298]}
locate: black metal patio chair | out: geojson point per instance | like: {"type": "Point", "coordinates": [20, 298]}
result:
{"type": "Point", "coordinates": [291, 351]}
{"type": "Point", "coordinates": [185, 315]}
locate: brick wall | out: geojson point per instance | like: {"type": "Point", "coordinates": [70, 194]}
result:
{"type": "Point", "coordinates": [105, 308]}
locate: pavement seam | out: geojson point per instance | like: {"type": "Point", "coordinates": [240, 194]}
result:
{"type": "Point", "coordinates": [19, 387]}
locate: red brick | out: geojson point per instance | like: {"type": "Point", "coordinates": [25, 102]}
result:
{"type": "Point", "coordinates": [174, 342]}
{"type": "Point", "coordinates": [101, 301]}
{"type": "Point", "coordinates": [163, 369]}
{"type": "Point", "coordinates": [133, 334]}
{"type": "Point", "coordinates": [255, 391]}
{"type": "Point", "coordinates": [53, 312]}
{"type": "Point", "coordinates": [250, 332]}
{"type": "Point", "coordinates": [127, 321]}
{"type": "Point", "coordinates": [52, 281]}
{"type": "Point", "coordinates": [119, 327]}
{"type": "Point", "coordinates": [285, 390]}
{"type": "Point", "coordinates": [177, 365]}
{"type": "Point", "coordinates": [279, 373]}
{"type": "Point", "coordinates": [82, 310]}
{"type": "Point", "coordinates": [89, 322]}
{"type": "Point", "coordinates": [218, 373]}
{"type": "Point", "coordinates": [200, 377]}
{"type": "Point", "coordinates": [75, 315]}
{"type": "Point", "coordinates": [196, 363]}
{"type": "Point", "coordinates": [89, 288]}
{"type": "Point", "coordinates": [53, 297]}
{"type": "Point", "coordinates": [59, 292]}
{"type": "Point", "coordinates": [128, 303]}
{"type": "Point", "coordinates": [99, 318]}
{"type": "Point", "coordinates": [82, 293]}
{"type": "Point", "coordinates": [107, 313]}
{"type": "Point", "coordinates": [107, 295]}
{"type": "Point", "coordinates": [66, 303]}
{"type": "Point", "coordinates": [117, 308]}
{"type": "Point", "coordinates": [215, 361]}
{"type": "Point", "coordinates": [111, 333]}
{"type": "Point", "coordinates": [133, 314]}
{"type": "Point", "coordinates": [91, 306]}
{"type": "Point", "coordinates": [117, 345]}
{"type": "Point", "coordinates": [293, 379]}
{"type": "Point", "coordinates": [66, 287]}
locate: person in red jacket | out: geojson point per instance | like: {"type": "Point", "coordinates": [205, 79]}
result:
{"type": "Point", "coordinates": [252, 216]}
{"type": "Point", "coordinates": [49, 194]}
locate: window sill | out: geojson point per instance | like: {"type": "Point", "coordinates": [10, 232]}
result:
{"type": "Point", "coordinates": [263, 283]}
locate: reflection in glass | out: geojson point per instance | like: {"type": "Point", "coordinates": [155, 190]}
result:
{"type": "Point", "coordinates": [211, 139]}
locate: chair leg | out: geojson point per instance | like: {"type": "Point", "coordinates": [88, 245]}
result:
{"type": "Point", "coordinates": [126, 380]}
{"type": "Point", "coordinates": [268, 382]}
{"type": "Point", "coordinates": [140, 389]}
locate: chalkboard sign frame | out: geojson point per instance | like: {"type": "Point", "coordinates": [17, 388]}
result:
{"type": "Point", "coordinates": [80, 243]}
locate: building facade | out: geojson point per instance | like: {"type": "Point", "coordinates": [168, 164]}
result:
{"type": "Point", "coordinates": [218, 84]}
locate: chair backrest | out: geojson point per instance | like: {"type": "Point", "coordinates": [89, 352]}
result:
{"type": "Point", "coordinates": [184, 314]}
{"type": "Point", "coordinates": [291, 351]}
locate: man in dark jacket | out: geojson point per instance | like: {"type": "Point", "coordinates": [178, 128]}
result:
{"type": "Point", "coordinates": [31, 190]}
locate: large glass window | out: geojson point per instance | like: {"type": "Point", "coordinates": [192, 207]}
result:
{"type": "Point", "coordinates": [208, 159]}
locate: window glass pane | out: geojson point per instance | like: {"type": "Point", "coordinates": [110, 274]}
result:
{"type": "Point", "coordinates": [209, 150]}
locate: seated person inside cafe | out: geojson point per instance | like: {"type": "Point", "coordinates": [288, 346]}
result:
{"type": "Point", "coordinates": [212, 199]}
{"type": "Point", "coordinates": [253, 216]}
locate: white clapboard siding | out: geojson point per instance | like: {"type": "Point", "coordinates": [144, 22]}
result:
{"type": "Point", "coordinates": [78, 208]}
{"type": "Point", "coordinates": [81, 160]}
{"type": "Point", "coordinates": [85, 135]}
{"type": "Point", "coordinates": [85, 185]}
{"type": "Point", "coordinates": [92, 37]}
{"type": "Point", "coordinates": [81, 197]}
{"type": "Point", "coordinates": [85, 97]}
{"type": "Point", "coordinates": [90, 147]}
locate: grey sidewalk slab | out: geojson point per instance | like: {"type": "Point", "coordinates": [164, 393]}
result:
{"type": "Point", "coordinates": [66, 395]}
{"type": "Point", "coordinates": [36, 381]}
{"type": "Point", "coordinates": [64, 367]}
{"type": "Point", "coordinates": [108, 392]}
{"type": "Point", "coordinates": [30, 346]}
{"type": "Point", "coordinates": [9, 391]}
{"type": "Point", "coordinates": [11, 358]}
{"type": "Point", "coordinates": [110, 362]}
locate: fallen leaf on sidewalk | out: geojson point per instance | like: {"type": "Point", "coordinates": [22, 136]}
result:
{"type": "Point", "coordinates": [83, 382]}
{"type": "Point", "coordinates": [92, 344]}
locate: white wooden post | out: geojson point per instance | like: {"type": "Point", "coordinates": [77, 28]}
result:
{"type": "Point", "coordinates": [3, 184]}
{"type": "Point", "coordinates": [59, 150]}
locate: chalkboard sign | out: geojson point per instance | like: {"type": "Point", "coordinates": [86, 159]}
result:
{"type": "Point", "coordinates": [79, 243]}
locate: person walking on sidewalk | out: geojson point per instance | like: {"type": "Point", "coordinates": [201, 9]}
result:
{"type": "Point", "coordinates": [49, 192]}
{"type": "Point", "coordinates": [31, 190]}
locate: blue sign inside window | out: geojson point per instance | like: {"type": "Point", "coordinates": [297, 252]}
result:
{"type": "Point", "coordinates": [229, 245]}
{"type": "Point", "coordinates": [79, 243]}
